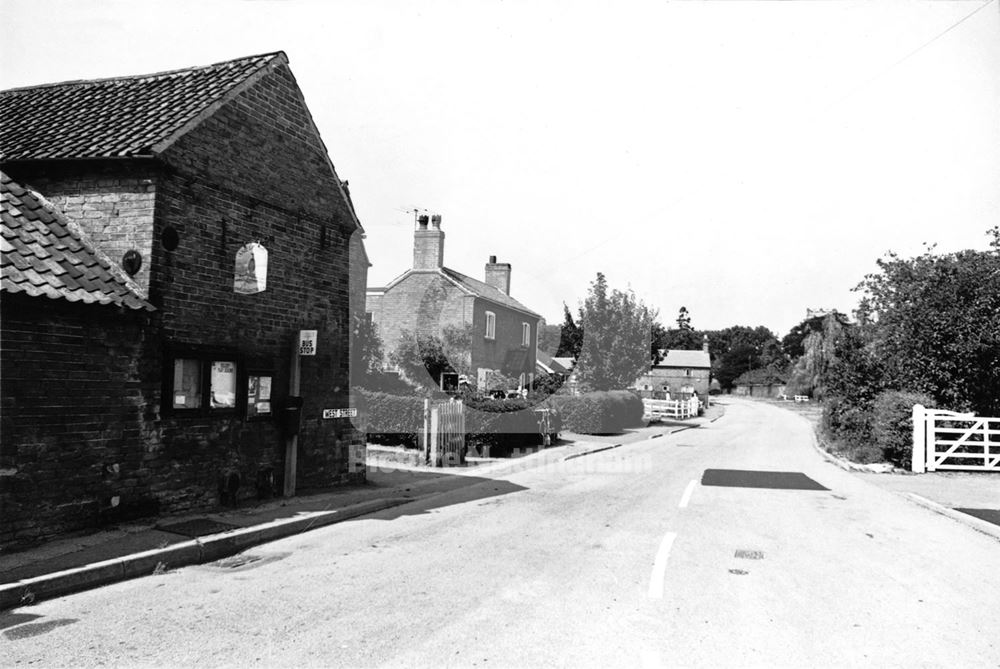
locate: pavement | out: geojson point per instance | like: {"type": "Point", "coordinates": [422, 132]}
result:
{"type": "Point", "coordinates": [130, 550]}
{"type": "Point", "coordinates": [127, 551]}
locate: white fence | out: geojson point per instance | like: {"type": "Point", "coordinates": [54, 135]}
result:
{"type": "Point", "coordinates": [444, 433]}
{"type": "Point", "coordinates": [677, 409]}
{"type": "Point", "coordinates": [949, 440]}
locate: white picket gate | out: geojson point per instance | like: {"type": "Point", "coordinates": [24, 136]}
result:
{"type": "Point", "coordinates": [948, 440]}
{"type": "Point", "coordinates": [444, 433]}
{"type": "Point", "coordinates": [677, 409]}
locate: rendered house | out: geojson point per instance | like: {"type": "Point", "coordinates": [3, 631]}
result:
{"type": "Point", "coordinates": [165, 240]}
{"type": "Point", "coordinates": [429, 297]}
{"type": "Point", "coordinates": [679, 375]}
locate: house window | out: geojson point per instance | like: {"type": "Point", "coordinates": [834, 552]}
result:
{"type": "Point", "coordinates": [201, 382]}
{"type": "Point", "coordinates": [491, 325]}
{"type": "Point", "coordinates": [687, 372]}
{"type": "Point", "coordinates": [525, 334]}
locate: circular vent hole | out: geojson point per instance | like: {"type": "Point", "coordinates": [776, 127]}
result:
{"type": "Point", "coordinates": [132, 262]}
{"type": "Point", "coordinates": [170, 239]}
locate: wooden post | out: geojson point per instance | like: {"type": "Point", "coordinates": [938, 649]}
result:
{"type": "Point", "coordinates": [918, 456]}
{"type": "Point", "coordinates": [425, 444]}
{"type": "Point", "coordinates": [292, 442]}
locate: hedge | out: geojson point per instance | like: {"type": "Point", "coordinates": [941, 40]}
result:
{"type": "Point", "coordinates": [498, 427]}
{"type": "Point", "coordinates": [892, 424]}
{"type": "Point", "coordinates": [601, 412]}
{"type": "Point", "coordinates": [394, 420]}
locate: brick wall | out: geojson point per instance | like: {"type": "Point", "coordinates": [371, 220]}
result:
{"type": "Point", "coordinates": [254, 171]}
{"type": "Point", "coordinates": [112, 201]}
{"type": "Point", "coordinates": [491, 353]}
{"type": "Point", "coordinates": [421, 302]}
{"type": "Point", "coordinates": [75, 391]}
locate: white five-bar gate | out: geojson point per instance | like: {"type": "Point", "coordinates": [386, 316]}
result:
{"type": "Point", "coordinates": [949, 440]}
{"type": "Point", "coordinates": [678, 409]}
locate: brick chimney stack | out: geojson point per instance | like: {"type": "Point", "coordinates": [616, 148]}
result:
{"type": "Point", "coordinates": [498, 275]}
{"type": "Point", "coordinates": [704, 343]}
{"type": "Point", "coordinates": [428, 242]}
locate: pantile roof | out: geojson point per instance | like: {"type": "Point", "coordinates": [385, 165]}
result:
{"type": "Point", "coordinates": [46, 254]}
{"type": "Point", "coordinates": [122, 116]}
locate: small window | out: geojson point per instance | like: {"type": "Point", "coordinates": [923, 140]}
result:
{"type": "Point", "coordinates": [687, 372]}
{"type": "Point", "coordinates": [491, 325]}
{"type": "Point", "coordinates": [525, 334]}
{"type": "Point", "coordinates": [259, 395]}
{"type": "Point", "coordinates": [187, 384]}
{"type": "Point", "coordinates": [223, 385]}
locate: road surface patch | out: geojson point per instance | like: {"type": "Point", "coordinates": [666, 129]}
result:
{"type": "Point", "coordinates": [989, 515]}
{"type": "Point", "coordinates": [746, 478]}
{"type": "Point", "coordinates": [198, 527]}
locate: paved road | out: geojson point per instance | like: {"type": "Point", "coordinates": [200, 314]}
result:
{"type": "Point", "coordinates": [620, 558]}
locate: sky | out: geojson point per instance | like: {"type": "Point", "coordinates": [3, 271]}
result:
{"type": "Point", "coordinates": [747, 160]}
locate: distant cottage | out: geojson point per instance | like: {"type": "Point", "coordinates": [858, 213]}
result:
{"type": "Point", "coordinates": [165, 239]}
{"type": "Point", "coordinates": [429, 297]}
{"type": "Point", "coordinates": [679, 375]}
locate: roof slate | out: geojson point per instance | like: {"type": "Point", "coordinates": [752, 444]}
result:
{"type": "Point", "coordinates": [42, 253]}
{"type": "Point", "coordinates": [122, 116]}
{"type": "Point", "coordinates": [676, 358]}
{"type": "Point", "coordinates": [486, 291]}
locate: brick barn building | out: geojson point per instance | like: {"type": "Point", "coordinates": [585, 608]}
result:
{"type": "Point", "coordinates": [429, 297]}
{"type": "Point", "coordinates": [165, 239]}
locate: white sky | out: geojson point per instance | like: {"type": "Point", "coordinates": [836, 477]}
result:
{"type": "Point", "coordinates": [747, 160]}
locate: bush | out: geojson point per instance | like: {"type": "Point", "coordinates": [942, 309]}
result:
{"type": "Point", "coordinates": [394, 420]}
{"type": "Point", "coordinates": [892, 424]}
{"type": "Point", "coordinates": [601, 412]}
{"type": "Point", "coordinates": [848, 427]}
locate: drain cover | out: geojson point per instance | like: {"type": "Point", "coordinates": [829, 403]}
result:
{"type": "Point", "coordinates": [750, 555]}
{"type": "Point", "coordinates": [989, 515]}
{"type": "Point", "coordinates": [198, 527]}
{"type": "Point", "coordinates": [747, 478]}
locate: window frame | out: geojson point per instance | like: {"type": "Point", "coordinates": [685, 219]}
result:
{"type": "Point", "coordinates": [205, 355]}
{"type": "Point", "coordinates": [491, 326]}
{"type": "Point", "coordinates": [244, 391]}
{"type": "Point", "coordinates": [526, 334]}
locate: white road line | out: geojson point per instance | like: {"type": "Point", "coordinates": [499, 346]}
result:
{"type": "Point", "coordinates": [686, 497]}
{"type": "Point", "coordinates": [660, 566]}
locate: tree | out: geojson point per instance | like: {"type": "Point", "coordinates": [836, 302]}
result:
{"type": "Point", "coordinates": [366, 350]}
{"type": "Point", "coordinates": [424, 357]}
{"type": "Point", "coordinates": [683, 319]}
{"type": "Point", "coordinates": [570, 338]}
{"type": "Point", "coordinates": [739, 349]}
{"type": "Point", "coordinates": [933, 322]}
{"type": "Point", "coordinates": [549, 337]}
{"type": "Point", "coordinates": [616, 344]}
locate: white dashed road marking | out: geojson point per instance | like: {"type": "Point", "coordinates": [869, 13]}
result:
{"type": "Point", "coordinates": [686, 497]}
{"type": "Point", "coordinates": [660, 566]}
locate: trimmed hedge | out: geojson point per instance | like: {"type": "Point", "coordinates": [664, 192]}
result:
{"type": "Point", "coordinates": [498, 427]}
{"type": "Point", "coordinates": [892, 424]}
{"type": "Point", "coordinates": [393, 420]}
{"type": "Point", "coordinates": [601, 412]}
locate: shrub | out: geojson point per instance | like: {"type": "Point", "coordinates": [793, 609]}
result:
{"type": "Point", "coordinates": [848, 427]}
{"type": "Point", "coordinates": [892, 424]}
{"type": "Point", "coordinates": [498, 427]}
{"type": "Point", "coordinates": [601, 412]}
